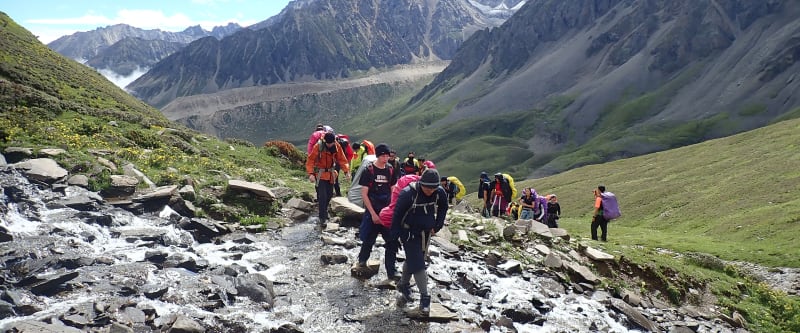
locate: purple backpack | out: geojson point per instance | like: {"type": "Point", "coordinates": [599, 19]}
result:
{"type": "Point", "coordinates": [610, 206]}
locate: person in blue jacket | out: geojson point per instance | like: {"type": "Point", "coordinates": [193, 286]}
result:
{"type": "Point", "coordinates": [420, 211]}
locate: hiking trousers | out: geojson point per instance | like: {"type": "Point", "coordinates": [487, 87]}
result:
{"type": "Point", "coordinates": [600, 221]}
{"type": "Point", "coordinates": [324, 195]}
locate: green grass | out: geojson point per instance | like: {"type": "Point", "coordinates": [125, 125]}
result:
{"type": "Point", "coordinates": [734, 197]}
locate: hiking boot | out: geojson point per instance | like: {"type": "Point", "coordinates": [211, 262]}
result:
{"type": "Point", "coordinates": [425, 305]}
{"type": "Point", "coordinates": [405, 294]}
{"type": "Point", "coordinates": [424, 309]}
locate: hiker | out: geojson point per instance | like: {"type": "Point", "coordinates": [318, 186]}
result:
{"type": "Point", "coordinates": [449, 188]}
{"type": "Point", "coordinates": [597, 216]}
{"type": "Point", "coordinates": [528, 203]}
{"type": "Point", "coordinates": [320, 170]}
{"type": "Point", "coordinates": [376, 183]}
{"type": "Point", "coordinates": [553, 211]}
{"type": "Point", "coordinates": [461, 191]}
{"type": "Point", "coordinates": [358, 155]}
{"type": "Point", "coordinates": [393, 161]}
{"type": "Point", "coordinates": [410, 166]}
{"type": "Point", "coordinates": [483, 192]}
{"type": "Point", "coordinates": [500, 195]}
{"type": "Point", "coordinates": [419, 213]}
{"type": "Point", "coordinates": [343, 141]}
{"type": "Point", "coordinates": [315, 136]}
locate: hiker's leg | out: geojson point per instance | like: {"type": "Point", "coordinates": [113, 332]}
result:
{"type": "Point", "coordinates": [421, 278]}
{"type": "Point", "coordinates": [369, 233]}
{"type": "Point", "coordinates": [404, 287]}
{"type": "Point", "coordinates": [595, 224]}
{"type": "Point", "coordinates": [324, 191]}
{"type": "Point", "coordinates": [390, 256]}
{"type": "Point", "coordinates": [603, 229]}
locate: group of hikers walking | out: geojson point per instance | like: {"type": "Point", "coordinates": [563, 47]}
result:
{"type": "Point", "coordinates": [405, 202]}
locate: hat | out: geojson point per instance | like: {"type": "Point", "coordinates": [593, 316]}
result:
{"type": "Point", "coordinates": [483, 173]}
{"type": "Point", "coordinates": [381, 149]}
{"type": "Point", "coordinates": [429, 164]}
{"type": "Point", "coordinates": [330, 137]}
{"type": "Point", "coordinates": [429, 178]}
{"type": "Point", "coordinates": [498, 175]}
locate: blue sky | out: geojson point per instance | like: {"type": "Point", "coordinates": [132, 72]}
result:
{"type": "Point", "coordinates": [51, 19]}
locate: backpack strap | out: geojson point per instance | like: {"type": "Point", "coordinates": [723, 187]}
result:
{"type": "Point", "coordinates": [416, 188]}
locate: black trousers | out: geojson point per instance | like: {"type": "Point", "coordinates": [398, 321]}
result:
{"type": "Point", "coordinates": [601, 222]}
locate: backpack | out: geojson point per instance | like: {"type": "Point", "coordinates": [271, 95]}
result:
{"type": "Point", "coordinates": [387, 212]}
{"type": "Point", "coordinates": [370, 147]}
{"type": "Point", "coordinates": [610, 206]}
{"type": "Point", "coordinates": [510, 182]}
{"type": "Point", "coordinates": [462, 191]}
{"type": "Point", "coordinates": [371, 169]}
{"type": "Point", "coordinates": [410, 168]}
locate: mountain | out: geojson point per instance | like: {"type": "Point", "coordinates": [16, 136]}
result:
{"type": "Point", "coordinates": [123, 49]}
{"type": "Point", "coordinates": [133, 53]}
{"type": "Point", "coordinates": [568, 83]}
{"type": "Point", "coordinates": [316, 40]}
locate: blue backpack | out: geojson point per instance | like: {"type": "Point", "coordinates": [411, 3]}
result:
{"type": "Point", "coordinates": [610, 206]}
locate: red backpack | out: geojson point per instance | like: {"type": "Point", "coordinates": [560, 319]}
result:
{"type": "Point", "coordinates": [387, 212]}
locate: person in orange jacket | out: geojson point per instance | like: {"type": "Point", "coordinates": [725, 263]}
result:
{"type": "Point", "coordinates": [321, 170]}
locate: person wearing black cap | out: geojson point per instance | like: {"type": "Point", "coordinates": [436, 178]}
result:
{"type": "Point", "coordinates": [419, 212]}
{"type": "Point", "coordinates": [376, 189]}
{"type": "Point", "coordinates": [320, 170]}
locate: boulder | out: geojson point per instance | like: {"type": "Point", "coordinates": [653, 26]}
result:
{"type": "Point", "coordinates": [42, 169]}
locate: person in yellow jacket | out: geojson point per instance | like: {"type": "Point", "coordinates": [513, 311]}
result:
{"type": "Point", "coordinates": [320, 170]}
{"type": "Point", "coordinates": [358, 156]}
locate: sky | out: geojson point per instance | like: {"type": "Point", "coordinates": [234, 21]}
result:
{"type": "Point", "coordinates": [51, 19]}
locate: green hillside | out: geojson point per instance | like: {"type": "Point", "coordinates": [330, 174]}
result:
{"type": "Point", "coordinates": [736, 197]}
{"type": "Point", "coordinates": [49, 101]}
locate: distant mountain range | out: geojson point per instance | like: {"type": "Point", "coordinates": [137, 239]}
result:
{"type": "Point", "coordinates": [123, 49]}
{"type": "Point", "coordinates": [320, 40]}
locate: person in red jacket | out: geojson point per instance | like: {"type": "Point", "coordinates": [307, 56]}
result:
{"type": "Point", "coordinates": [320, 167]}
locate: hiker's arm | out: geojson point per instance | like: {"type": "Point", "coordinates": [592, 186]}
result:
{"type": "Point", "coordinates": [310, 164]}
{"type": "Point", "coordinates": [367, 202]}
{"type": "Point", "coordinates": [440, 213]}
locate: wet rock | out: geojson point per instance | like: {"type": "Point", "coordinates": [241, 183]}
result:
{"type": "Point", "coordinates": [256, 287]}
{"type": "Point", "coordinates": [286, 328]}
{"type": "Point", "coordinates": [185, 324]}
{"type": "Point", "coordinates": [187, 192]}
{"type": "Point", "coordinates": [6, 310]}
{"type": "Point", "coordinates": [332, 259]}
{"type": "Point", "coordinates": [346, 243]}
{"type": "Point", "coordinates": [634, 315]}
{"type": "Point", "coordinates": [119, 328]}
{"type": "Point", "coordinates": [5, 235]}
{"type": "Point", "coordinates": [51, 285]}
{"type": "Point", "coordinates": [511, 266]}
{"type": "Point", "coordinates": [444, 245]}
{"type": "Point", "coordinates": [299, 204]}
{"type": "Point", "coordinates": [524, 316]}
{"type": "Point", "coordinates": [351, 213]}
{"type": "Point", "coordinates": [30, 326]}
{"type": "Point", "coordinates": [366, 272]}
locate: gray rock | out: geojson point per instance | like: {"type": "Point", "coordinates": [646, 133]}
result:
{"type": "Point", "coordinates": [42, 169]}
{"type": "Point", "coordinates": [596, 254]}
{"type": "Point", "coordinates": [79, 180]}
{"type": "Point", "coordinates": [257, 189]}
{"type": "Point", "coordinates": [185, 324]}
